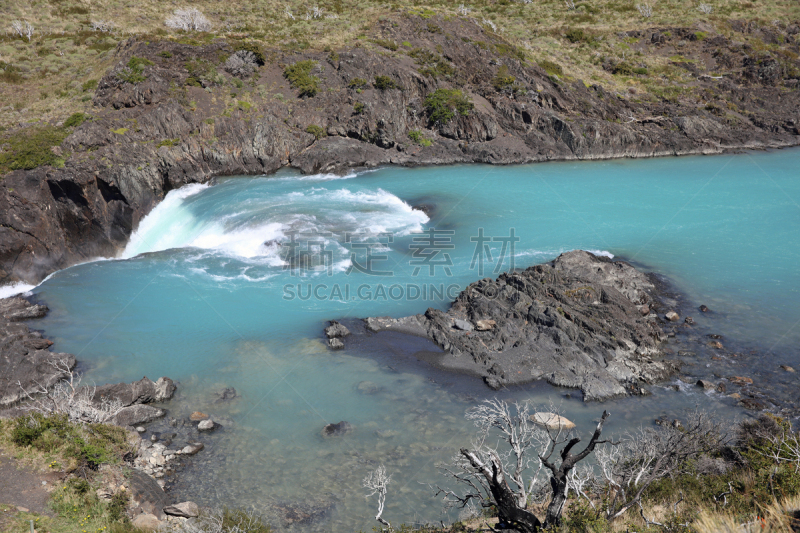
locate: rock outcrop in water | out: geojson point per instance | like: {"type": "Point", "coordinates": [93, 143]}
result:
{"type": "Point", "coordinates": [178, 127]}
{"type": "Point", "coordinates": [575, 322]}
{"type": "Point", "coordinates": [26, 363]}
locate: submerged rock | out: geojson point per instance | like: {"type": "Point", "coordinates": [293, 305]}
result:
{"type": "Point", "coordinates": [206, 425]}
{"type": "Point", "coordinates": [228, 393]}
{"type": "Point", "coordinates": [672, 316]}
{"type": "Point", "coordinates": [574, 322]}
{"type": "Point", "coordinates": [335, 344]}
{"type": "Point", "coordinates": [337, 430]}
{"type": "Point", "coordinates": [551, 421]}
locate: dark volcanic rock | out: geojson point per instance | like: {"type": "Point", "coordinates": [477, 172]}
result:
{"type": "Point", "coordinates": [24, 357]}
{"type": "Point", "coordinates": [142, 391]}
{"type": "Point", "coordinates": [146, 495]}
{"type": "Point", "coordinates": [573, 322]}
{"type": "Point", "coordinates": [336, 330]}
{"type": "Point", "coordinates": [135, 414]}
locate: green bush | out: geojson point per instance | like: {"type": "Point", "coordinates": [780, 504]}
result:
{"type": "Point", "coordinates": [623, 68]}
{"type": "Point", "coordinates": [358, 83]}
{"type": "Point", "coordinates": [75, 120]}
{"type": "Point", "coordinates": [261, 59]}
{"type": "Point", "coordinates": [575, 35]}
{"type": "Point", "coordinates": [432, 65]}
{"type": "Point", "coordinates": [384, 83]}
{"type": "Point", "coordinates": [443, 104]}
{"type": "Point", "coordinates": [316, 131]}
{"type": "Point", "coordinates": [240, 520]}
{"type": "Point", "coordinates": [359, 108]}
{"type": "Point", "coordinates": [166, 54]}
{"type": "Point", "coordinates": [299, 76]}
{"type": "Point", "coordinates": [419, 138]}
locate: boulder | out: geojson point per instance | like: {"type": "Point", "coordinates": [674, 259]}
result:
{"type": "Point", "coordinates": [197, 415]}
{"type": "Point", "coordinates": [206, 425]}
{"type": "Point", "coordinates": [485, 325]}
{"type": "Point", "coordinates": [183, 510]}
{"type": "Point", "coordinates": [707, 385]}
{"type": "Point", "coordinates": [551, 421]}
{"type": "Point", "coordinates": [463, 325]}
{"type": "Point", "coordinates": [716, 345]}
{"type": "Point", "coordinates": [147, 522]}
{"type": "Point", "coordinates": [703, 309]}
{"type": "Point", "coordinates": [721, 387]}
{"type": "Point", "coordinates": [739, 380]}
{"type": "Point", "coordinates": [335, 344]}
{"type": "Point", "coordinates": [146, 494]}
{"type": "Point", "coordinates": [689, 320]}
{"type": "Point", "coordinates": [138, 392]}
{"type": "Point", "coordinates": [134, 415]}
{"type": "Point", "coordinates": [337, 430]}
{"type": "Point", "coordinates": [192, 448]}
{"type": "Point", "coordinates": [787, 368]}
{"type": "Point", "coordinates": [336, 330]}
{"type": "Point", "coordinates": [672, 316]}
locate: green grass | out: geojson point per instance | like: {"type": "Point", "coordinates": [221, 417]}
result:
{"type": "Point", "coordinates": [33, 148]}
{"type": "Point", "coordinates": [417, 137]}
{"type": "Point", "coordinates": [384, 83]}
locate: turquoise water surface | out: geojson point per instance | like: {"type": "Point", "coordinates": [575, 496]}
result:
{"type": "Point", "coordinates": [203, 295]}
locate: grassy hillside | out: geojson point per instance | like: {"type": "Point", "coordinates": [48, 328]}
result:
{"type": "Point", "coordinates": [53, 75]}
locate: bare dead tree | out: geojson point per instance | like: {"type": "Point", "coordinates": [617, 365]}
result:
{"type": "Point", "coordinates": [784, 445]}
{"type": "Point", "coordinates": [570, 4]}
{"type": "Point", "coordinates": [649, 454]}
{"type": "Point", "coordinates": [377, 482]}
{"type": "Point", "coordinates": [188, 19]}
{"type": "Point", "coordinates": [508, 479]}
{"type": "Point", "coordinates": [706, 9]}
{"type": "Point", "coordinates": [645, 9]}
{"type": "Point", "coordinates": [69, 397]}
{"type": "Point", "coordinates": [23, 29]}
{"type": "Point", "coordinates": [103, 26]}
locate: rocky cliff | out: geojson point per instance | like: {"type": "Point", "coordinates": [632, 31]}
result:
{"type": "Point", "coordinates": [169, 114]}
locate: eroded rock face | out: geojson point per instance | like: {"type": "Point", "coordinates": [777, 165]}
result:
{"type": "Point", "coordinates": [574, 322]}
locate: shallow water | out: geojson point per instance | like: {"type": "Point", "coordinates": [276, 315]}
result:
{"type": "Point", "coordinates": [199, 296]}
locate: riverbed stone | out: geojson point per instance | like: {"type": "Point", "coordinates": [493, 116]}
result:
{"type": "Point", "coordinates": [146, 521]}
{"type": "Point", "coordinates": [183, 510]}
{"type": "Point", "coordinates": [337, 430]}
{"type": "Point", "coordinates": [192, 448]}
{"type": "Point", "coordinates": [707, 385]}
{"type": "Point", "coordinates": [740, 380]}
{"type": "Point", "coordinates": [787, 368]}
{"type": "Point", "coordinates": [463, 325]}
{"type": "Point", "coordinates": [336, 330]}
{"type": "Point", "coordinates": [134, 415]}
{"type": "Point", "coordinates": [485, 325]}
{"type": "Point", "coordinates": [703, 309]}
{"type": "Point", "coordinates": [672, 316]}
{"type": "Point", "coordinates": [335, 344]}
{"type": "Point", "coordinates": [551, 421]}
{"type": "Point", "coordinates": [197, 415]}
{"type": "Point", "coordinates": [206, 425]}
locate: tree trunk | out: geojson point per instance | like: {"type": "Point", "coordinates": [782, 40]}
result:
{"type": "Point", "coordinates": [559, 486]}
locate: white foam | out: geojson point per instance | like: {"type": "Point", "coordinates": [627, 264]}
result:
{"type": "Point", "coordinates": [317, 177]}
{"type": "Point", "coordinates": [167, 225]}
{"type": "Point", "coordinates": [603, 253]}
{"type": "Point", "coordinates": [7, 291]}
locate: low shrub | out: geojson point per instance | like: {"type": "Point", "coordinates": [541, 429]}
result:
{"type": "Point", "coordinates": [384, 83]}
{"type": "Point", "coordinates": [299, 77]}
{"type": "Point", "coordinates": [254, 49]}
{"type": "Point", "coordinates": [386, 43]}
{"type": "Point", "coordinates": [358, 108]}
{"type": "Point", "coordinates": [575, 35]}
{"type": "Point", "coordinates": [89, 85]}
{"type": "Point", "coordinates": [32, 149]}
{"type": "Point", "coordinates": [316, 131]}
{"type": "Point", "coordinates": [552, 68]}
{"type": "Point", "coordinates": [75, 120]}
{"type": "Point", "coordinates": [442, 105]}
{"type": "Point", "coordinates": [417, 137]}
{"type": "Point", "coordinates": [358, 83]}
{"type": "Point", "coordinates": [133, 72]}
